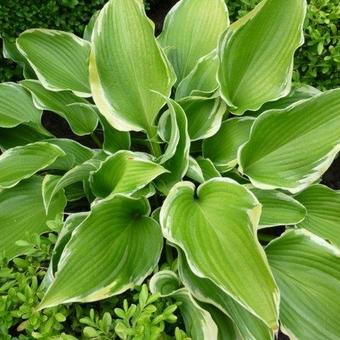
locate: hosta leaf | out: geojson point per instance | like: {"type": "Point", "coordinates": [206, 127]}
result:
{"type": "Point", "coordinates": [19, 136]}
{"type": "Point", "coordinates": [123, 246]}
{"type": "Point", "coordinates": [178, 163]}
{"type": "Point", "coordinates": [256, 54]}
{"type": "Point", "coordinates": [198, 322]}
{"type": "Point", "coordinates": [297, 94]}
{"type": "Point", "coordinates": [124, 43]}
{"type": "Point", "coordinates": [226, 327]}
{"type": "Point", "coordinates": [89, 27]}
{"type": "Point", "coordinates": [114, 140]}
{"type": "Point", "coordinates": [292, 148]}
{"type": "Point", "coordinates": [208, 169]}
{"type": "Point", "coordinates": [222, 148]}
{"type": "Point", "coordinates": [204, 116]}
{"type": "Point", "coordinates": [191, 30]}
{"type": "Point", "coordinates": [169, 132]}
{"type": "Point", "coordinates": [59, 59]}
{"type": "Point", "coordinates": [216, 228]}
{"type": "Point", "coordinates": [75, 153]}
{"type": "Point", "coordinates": [323, 212]}
{"type": "Point", "coordinates": [307, 271]}
{"type": "Point", "coordinates": [194, 171]}
{"type": "Point", "coordinates": [16, 107]}
{"type": "Point", "coordinates": [23, 162]}
{"type": "Point", "coordinates": [248, 325]}
{"type": "Point", "coordinates": [201, 81]}
{"type": "Point", "coordinates": [278, 208]}
{"type": "Point", "coordinates": [79, 173]}
{"type": "Point", "coordinates": [22, 214]}
{"type": "Point", "coordinates": [10, 51]}
{"type": "Point", "coordinates": [124, 172]}
{"type": "Point", "coordinates": [71, 223]}
{"type": "Point", "coordinates": [201, 170]}
{"type": "Point", "coordinates": [82, 119]}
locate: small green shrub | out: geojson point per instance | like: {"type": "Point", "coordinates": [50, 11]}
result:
{"type": "Point", "coordinates": [138, 314]}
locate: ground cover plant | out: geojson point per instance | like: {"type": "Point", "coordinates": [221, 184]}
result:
{"type": "Point", "coordinates": [202, 178]}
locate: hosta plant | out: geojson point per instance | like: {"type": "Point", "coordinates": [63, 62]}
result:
{"type": "Point", "coordinates": [204, 177]}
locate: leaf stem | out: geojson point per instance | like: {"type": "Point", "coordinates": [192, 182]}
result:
{"type": "Point", "coordinates": [155, 148]}
{"type": "Point", "coordinates": [96, 140]}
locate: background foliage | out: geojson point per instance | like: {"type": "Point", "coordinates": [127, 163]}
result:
{"type": "Point", "coordinates": [317, 62]}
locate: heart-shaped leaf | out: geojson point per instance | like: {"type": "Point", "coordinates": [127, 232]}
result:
{"type": "Point", "coordinates": [216, 228]}
{"type": "Point", "coordinates": [123, 246]}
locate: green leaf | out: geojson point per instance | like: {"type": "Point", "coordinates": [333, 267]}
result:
{"type": "Point", "coordinates": [79, 173]}
{"type": "Point", "coordinates": [257, 52]}
{"type": "Point", "coordinates": [175, 160]}
{"type": "Point", "coordinates": [124, 172]}
{"type": "Point", "coordinates": [123, 246]}
{"type": "Point", "coordinates": [89, 27]}
{"type": "Point", "coordinates": [114, 140]}
{"type": "Point", "coordinates": [216, 228]}
{"type": "Point", "coordinates": [71, 223]}
{"type": "Point", "coordinates": [223, 146]}
{"type": "Point", "coordinates": [297, 94]}
{"type": "Point", "coordinates": [204, 116]}
{"type": "Point", "coordinates": [10, 51]}
{"type": "Point", "coordinates": [23, 162]}
{"type": "Point", "coordinates": [278, 208]}
{"type": "Point", "coordinates": [82, 118]}
{"type": "Point", "coordinates": [191, 30]}
{"type": "Point", "coordinates": [247, 324]}
{"type": "Point", "coordinates": [22, 211]}
{"type": "Point", "coordinates": [16, 107]}
{"type": "Point", "coordinates": [202, 80]}
{"type": "Point", "coordinates": [226, 327]}
{"type": "Point", "coordinates": [292, 148]}
{"type": "Point", "coordinates": [123, 42]}
{"type": "Point", "coordinates": [194, 171]}
{"type": "Point", "coordinates": [201, 170]}
{"type": "Point", "coordinates": [198, 322]}
{"type": "Point", "coordinates": [19, 136]}
{"type": "Point", "coordinates": [60, 59]}
{"type": "Point", "coordinates": [75, 153]}
{"type": "Point", "coordinates": [323, 212]}
{"type": "Point", "coordinates": [208, 169]}
{"type": "Point", "coordinates": [307, 271]}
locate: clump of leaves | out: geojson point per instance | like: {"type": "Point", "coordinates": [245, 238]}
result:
{"type": "Point", "coordinates": [202, 146]}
